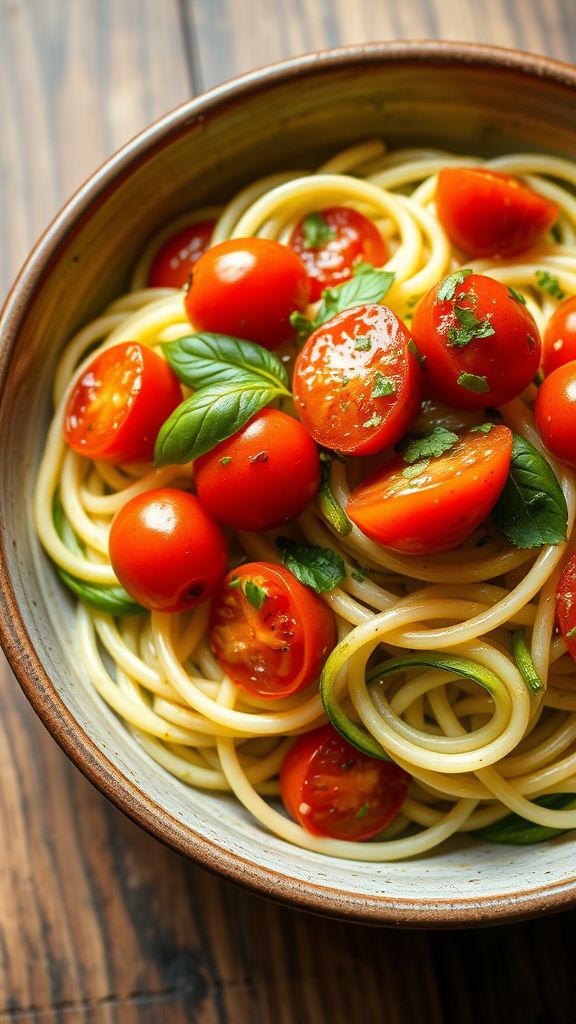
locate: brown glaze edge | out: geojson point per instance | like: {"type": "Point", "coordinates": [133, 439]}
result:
{"type": "Point", "coordinates": [35, 683]}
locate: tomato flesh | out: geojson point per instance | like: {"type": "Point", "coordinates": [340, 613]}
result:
{"type": "Point", "coordinates": [173, 263]}
{"type": "Point", "coordinates": [566, 605]}
{"type": "Point", "coordinates": [481, 345]}
{"type": "Point", "coordinates": [438, 507]}
{"type": "Point", "coordinates": [485, 213]}
{"type": "Point", "coordinates": [342, 374]}
{"type": "Point", "coordinates": [332, 789]}
{"type": "Point", "coordinates": [559, 341]}
{"type": "Point", "coordinates": [555, 412]}
{"type": "Point", "coordinates": [166, 550]}
{"type": "Point", "coordinates": [262, 476]}
{"type": "Point", "coordinates": [276, 649]}
{"type": "Point", "coordinates": [351, 238]}
{"type": "Point", "coordinates": [118, 405]}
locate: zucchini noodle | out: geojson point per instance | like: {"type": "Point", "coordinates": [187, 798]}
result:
{"type": "Point", "coordinates": [424, 668]}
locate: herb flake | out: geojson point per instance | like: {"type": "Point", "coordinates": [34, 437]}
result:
{"type": "Point", "coordinates": [549, 283]}
{"type": "Point", "coordinates": [431, 446]}
{"type": "Point", "coordinates": [473, 382]}
{"type": "Point", "coordinates": [469, 327]}
{"type": "Point", "coordinates": [383, 386]}
{"type": "Point", "coordinates": [255, 594]}
{"type": "Point", "coordinates": [447, 287]}
{"type": "Point", "coordinates": [362, 343]}
{"type": "Point", "coordinates": [319, 568]}
{"type": "Point", "coordinates": [316, 231]}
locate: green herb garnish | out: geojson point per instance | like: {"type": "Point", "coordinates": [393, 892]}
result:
{"type": "Point", "coordinates": [383, 386]}
{"type": "Point", "coordinates": [531, 511]}
{"type": "Point", "coordinates": [447, 287]}
{"type": "Point", "coordinates": [316, 231]}
{"type": "Point", "coordinates": [319, 568]}
{"type": "Point", "coordinates": [473, 382]}
{"type": "Point", "coordinates": [469, 327]}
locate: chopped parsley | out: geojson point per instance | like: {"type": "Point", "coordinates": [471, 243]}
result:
{"type": "Point", "coordinates": [416, 469]}
{"type": "Point", "coordinates": [571, 633]}
{"type": "Point", "coordinates": [421, 359]}
{"type": "Point", "coordinates": [383, 386]}
{"type": "Point", "coordinates": [225, 461]}
{"type": "Point", "coordinates": [431, 446]}
{"type": "Point", "coordinates": [374, 421]}
{"type": "Point", "coordinates": [362, 343]}
{"type": "Point", "coordinates": [549, 284]}
{"type": "Point", "coordinates": [473, 382]}
{"type": "Point", "coordinates": [447, 287]}
{"type": "Point", "coordinates": [255, 594]}
{"type": "Point", "coordinates": [469, 327]}
{"type": "Point", "coordinates": [316, 231]}
{"type": "Point", "coordinates": [483, 428]}
{"type": "Point", "coordinates": [363, 811]}
{"type": "Point", "coordinates": [235, 582]}
{"type": "Point", "coordinates": [516, 295]}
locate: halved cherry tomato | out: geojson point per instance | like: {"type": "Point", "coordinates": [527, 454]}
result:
{"type": "Point", "coordinates": [555, 412]}
{"type": "Point", "coordinates": [489, 214]}
{"type": "Point", "coordinates": [481, 345]}
{"type": "Point", "coordinates": [269, 633]}
{"type": "Point", "coordinates": [331, 241]}
{"type": "Point", "coordinates": [118, 405]}
{"type": "Point", "coordinates": [262, 476]}
{"type": "Point", "coordinates": [247, 288]}
{"type": "Point", "coordinates": [166, 550]}
{"type": "Point", "coordinates": [566, 605]}
{"type": "Point", "coordinates": [332, 789]}
{"type": "Point", "coordinates": [434, 505]}
{"type": "Point", "coordinates": [357, 385]}
{"type": "Point", "coordinates": [559, 341]}
{"type": "Point", "coordinates": [173, 263]}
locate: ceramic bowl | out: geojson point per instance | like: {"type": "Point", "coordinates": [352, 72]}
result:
{"type": "Point", "coordinates": [466, 98]}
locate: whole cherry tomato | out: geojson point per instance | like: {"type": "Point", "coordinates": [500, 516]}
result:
{"type": "Point", "coordinates": [559, 341]}
{"type": "Point", "coordinates": [331, 241]}
{"type": "Point", "coordinates": [566, 605]}
{"type": "Point", "coordinates": [247, 288]}
{"type": "Point", "coordinates": [118, 405]}
{"type": "Point", "coordinates": [166, 550]}
{"type": "Point", "coordinates": [555, 412]}
{"type": "Point", "coordinates": [489, 214]}
{"type": "Point", "coordinates": [262, 476]}
{"type": "Point", "coordinates": [481, 345]}
{"type": "Point", "coordinates": [434, 504]}
{"type": "Point", "coordinates": [332, 789]}
{"type": "Point", "coordinates": [357, 384]}
{"type": "Point", "coordinates": [269, 633]}
{"type": "Point", "coordinates": [173, 263]}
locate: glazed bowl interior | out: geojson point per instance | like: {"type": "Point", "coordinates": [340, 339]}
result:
{"type": "Point", "coordinates": [469, 99]}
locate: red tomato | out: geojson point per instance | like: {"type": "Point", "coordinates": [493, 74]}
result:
{"type": "Point", "coordinates": [559, 341]}
{"type": "Point", "coordinates": [173, 263]}
{"type": "Point", "coordinates": [357, 386]}
{"type": "Point", "coordinates": [481, 345]}
{"type": "Point", "coordinates": [166, 550]}
{"type": "Point", "coordinates": [269, 633]}
{"type": "Point", "coordinates": [434, 505]}
{"type": "Point", "coordinates": [332, 789]}
{"type": "Point", "coordinates": [566, 605]}
{"type": "Point", "coordinates": [120, 402]}
{"type": "Point", "coordinates": [555, 412]}
{"type": "Point", "coordinates": [262, 476]}
{"type": "Point", "coordinates": [247, 288]}
{"type": "Point", "coordinates": [344, 237]}
{"type": "Point", "coordinates": [489, 214]}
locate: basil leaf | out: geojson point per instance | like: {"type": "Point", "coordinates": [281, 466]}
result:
{"type": "Point", "coordinates": [516, 831]}
{"type": "Point", "coordinates": [368, 285]}
{"type": "Point", "coordinates": [211, 415]}
{"type": "Point", "coordinates": [316, 231]}
{"type": "Point", "coordinates": [531, 510]}
{"type": "Point", "coordinates": [203, 359]}
{"type": "Point", "coordinates": [319, 568]}
{"type": "Point", "coordinates": [447, 287]}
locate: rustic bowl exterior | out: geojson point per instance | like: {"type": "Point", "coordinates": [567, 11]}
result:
{"type": "Point", "coordinates": [467, 98]}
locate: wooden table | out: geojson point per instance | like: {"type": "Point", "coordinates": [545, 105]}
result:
{"type": "Point", "coordinates": [98, 922]}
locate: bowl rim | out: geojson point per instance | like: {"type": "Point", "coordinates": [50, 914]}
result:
{"type": "Point", "coordinates": [25, 663]}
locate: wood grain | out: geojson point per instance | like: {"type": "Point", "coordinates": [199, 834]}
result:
{"type": "Point", "coordinates": [98, 922]}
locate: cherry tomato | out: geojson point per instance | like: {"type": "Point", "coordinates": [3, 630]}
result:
{"type": "Point", "coordinates": [166, 550]}
{"type": "Point", "coordinates": [489, 214]}
{"type": "Point", "coordinates": [173, 263]}
{"type": "Point", "coordinates": [118, 405]}
{"type": "Point", "coordinates": [434, 505]}
{"type": "Point", "coordinates": [262, 476]}
{"type": "Point", "coordinates": [247, 288]}
{"type": "Point", "coordinates": [331, 241]}
{"type": "Point", "coordinates": [357, 386]}
{"type": "Point", "coordinates": [481, 345]}
{"type": "Point", "coordinates": [332, 789]}
{"type": "Point", "coordinates": [555, 412]}
{"type": "Point", "coordinates": [269, 633]}
{"type": "Point", "coordinates": [566, 605]}
{"type": "Point", "coordinates": [559, 341]}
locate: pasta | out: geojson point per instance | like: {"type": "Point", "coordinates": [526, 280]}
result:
{"type": "Point", "coordinates": [473, 755]}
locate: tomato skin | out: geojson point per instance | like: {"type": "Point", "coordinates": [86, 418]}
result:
{"type": "Point", "coordinates": [118, 405]}
{"type": "Point", "coordinates": [334, 380]}
{"type": "Point", "coordinates": [559, 341]}
{"type": "Point", "coordinates": [455, 493]}
{"type": "Point", "coordinates": [555, 412]}
{"type": "Point", "coordinates": [566, 604]}
{"type": "Point", "coordinates": [508, 359]}
{"type": "Point", "coordinates": [173, 263]}
{"type": "Point", "coordinates": [332, 789]}
{"type": "Point", "coordinates": [272, 473]}
{"type": "Point", "coordinates": [355, 240]}
{"type": "Point", "coordinates": [247, 288]}
{"type": "Point", "coordinates": [276, 650]}
{"type": "Point", "coordinates": [166, 550]}
{"type": "Point", "coordinates": [485, 213]}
